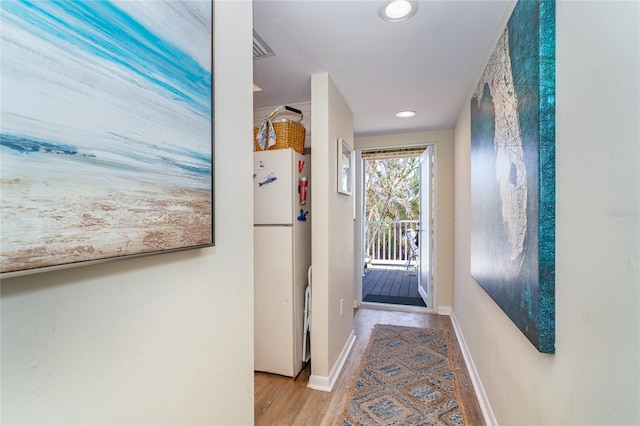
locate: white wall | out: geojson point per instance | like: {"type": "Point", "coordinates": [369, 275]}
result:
{"type": "Point", "coordinates": [333, 227]}
{"type": "Point", "coordinates": [594, 377]}
{"type": "Point", "coordinates": [443, 139]}
{"type": "Point", "coordinates": [164, 339]}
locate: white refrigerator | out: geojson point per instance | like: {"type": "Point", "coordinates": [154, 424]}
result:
{"type": "Point", "coordinates": [282, 253]}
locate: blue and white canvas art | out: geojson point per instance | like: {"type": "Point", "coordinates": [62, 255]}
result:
{"type": "Point", "coordinates": [106, 130]}
{"type": "Point", "coordinates": [513, 173]}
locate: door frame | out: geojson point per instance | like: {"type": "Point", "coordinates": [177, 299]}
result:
{"type": "Point", "coordinates": [359, 226]}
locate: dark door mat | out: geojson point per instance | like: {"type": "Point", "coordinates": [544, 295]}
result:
{"type": "Point", "coordinates": [394, 300]}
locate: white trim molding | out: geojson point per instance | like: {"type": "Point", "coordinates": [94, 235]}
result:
{"type": "Point", "coordinates": [483, 400]}
{"type": "Point", "coordinates": [323, 383]}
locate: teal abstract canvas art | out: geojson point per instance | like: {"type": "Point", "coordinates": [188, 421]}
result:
{"type": "Point", "coordinates": [513, 173]}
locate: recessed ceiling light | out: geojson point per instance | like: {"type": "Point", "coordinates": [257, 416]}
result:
{"type": "Point", "coordinates": [406, 114]}
{"type": "Point", "coordinates": [397, 10]}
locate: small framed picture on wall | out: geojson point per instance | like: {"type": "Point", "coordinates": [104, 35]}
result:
{"type": "Point", "coordinates": [345, 168]}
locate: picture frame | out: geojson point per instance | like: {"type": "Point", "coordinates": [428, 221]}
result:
{"type": "Point", "coordinates": [107, 146]}
{"type": "Point", "coordinates": [513, 173]}
{"type": "Point", "coordinates": [345, 168]}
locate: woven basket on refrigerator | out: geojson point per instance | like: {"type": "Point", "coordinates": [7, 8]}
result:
{"type": "Point", "coordinates": [289, 133]}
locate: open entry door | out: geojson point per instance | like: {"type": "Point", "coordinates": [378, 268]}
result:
{"type": "Point", "coordinates": [425, 231]}
{"type": "Point", "coordinates": [389, 272]}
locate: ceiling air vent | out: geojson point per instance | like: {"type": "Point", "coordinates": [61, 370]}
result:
{"type": "Point", "coordinates": [260, 48]}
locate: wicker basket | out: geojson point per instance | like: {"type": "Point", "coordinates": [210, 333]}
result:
{"type": "Point", "coordinates": [289, 133]}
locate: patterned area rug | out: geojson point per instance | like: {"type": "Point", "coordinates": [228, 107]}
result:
{"type": "Point", "coordinates": [406, 378]}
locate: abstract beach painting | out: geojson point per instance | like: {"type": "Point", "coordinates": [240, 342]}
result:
{"type": "Point", "coordinates": [513, 173]}
{"type": "Point", "coordinates": [106, 130]}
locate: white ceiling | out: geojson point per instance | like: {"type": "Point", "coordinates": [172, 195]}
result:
{"type": "Point", "coordinates": [430, 63]}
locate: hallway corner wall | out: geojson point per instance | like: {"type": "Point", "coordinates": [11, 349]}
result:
{"type": "Point", "coordinates": [332, 229]}
{"type": "Point", "coordinates": [162, 339]}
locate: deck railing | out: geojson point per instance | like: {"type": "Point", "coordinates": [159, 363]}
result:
{"type": "Point", "coordinates": [386, 239]}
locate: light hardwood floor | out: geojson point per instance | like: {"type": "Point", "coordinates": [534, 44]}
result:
{"type": "Point", "coordinates": [285, 401]}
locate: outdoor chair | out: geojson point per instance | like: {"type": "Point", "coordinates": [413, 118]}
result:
{"type": "Point", "coordinates": [415, 252]}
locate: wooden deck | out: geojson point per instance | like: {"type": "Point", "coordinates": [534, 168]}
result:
{"type": "Point", "coordinates": [392, 284]}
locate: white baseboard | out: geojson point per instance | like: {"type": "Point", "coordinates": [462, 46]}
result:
{"type": "Point", "coordinates": [485, 406]}
{"type": "Point", "coordinates": [444, 310]}
{"type": "Point", "coordinates": [324, 383]}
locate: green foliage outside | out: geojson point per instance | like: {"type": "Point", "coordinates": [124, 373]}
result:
{"type": "Point", "coordinates": [392, 191]}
